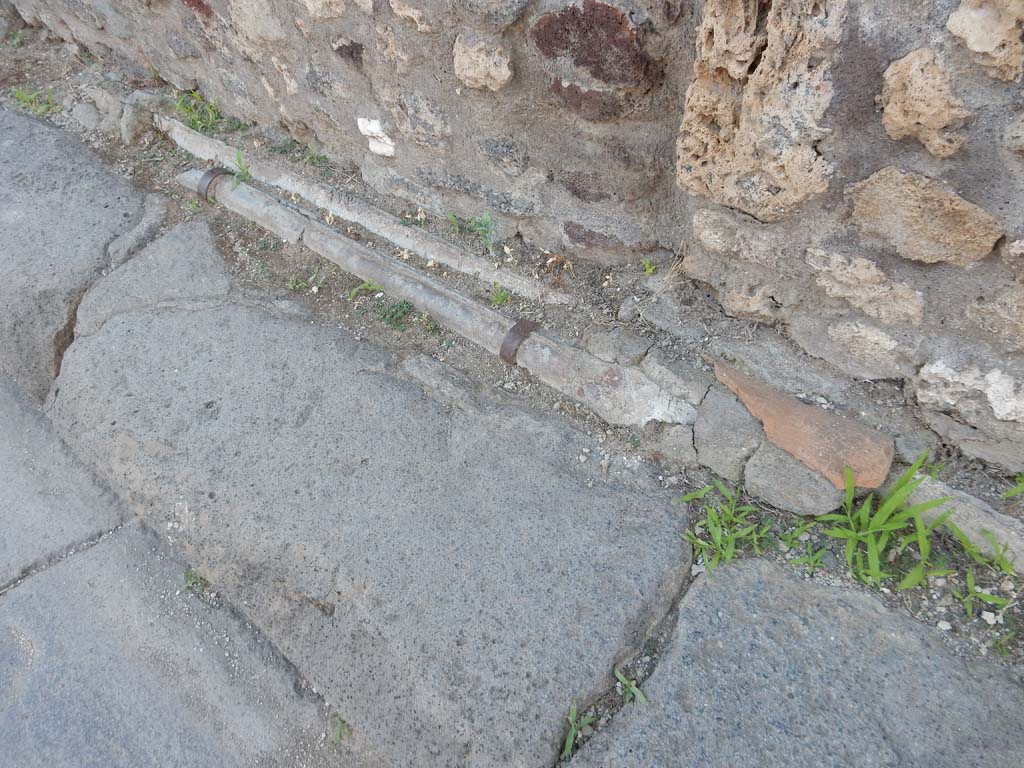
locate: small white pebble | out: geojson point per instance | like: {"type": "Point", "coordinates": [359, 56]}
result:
{"type": "Point", "coordinates": [945, 626]}
{"type": "Point", "coordinates": [988, 617]}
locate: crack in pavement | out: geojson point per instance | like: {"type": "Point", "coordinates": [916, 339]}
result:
{"type": "Point", "coordinates": [43, 564]}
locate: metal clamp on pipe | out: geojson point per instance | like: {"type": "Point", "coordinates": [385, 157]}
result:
{"type": "Point", "coordinates": [516, 335]}
{"type": "Point", "coordinates": [207, 179]}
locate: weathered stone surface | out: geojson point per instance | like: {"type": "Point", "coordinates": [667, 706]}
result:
{"type": "Point", "coordinates": [725, 434]}
{"type": "Point", "coordinates": [866, 287]}
{"type": "Point", "coordinates": [942, 385]}
{"type": "Point", "coordinates": [411, 13]}
{"type": "Point", "coordinates": [482, 61]}
{"type": "Point", "coordinates": [47, 261]}
{"type": "Point", "coordinates": [1002, 314]}
{"type": "Point", "coordinates": [982, 411]}
{"type": "Point", "coordinates": [824, 442]}
{"type": "Point", "coordinates": [1014, 136]}
{"type": "Point", "coordinates": [921, 219]}
{"type": "Point", "coordinates": [617, 345]}
{"type": "Point", "coordinates": [10, 21]}
{"type": "Point", "coordinates": [675, 443]}
{"type": "Point", "coordinates": [51, 503]}
{"type": "Point", "coordinates": [918, 103]}
{"type": "Point", "coordinates": [86, 115]}
{"type": "Point", "coordinates": [753, 111]}
{"type": "Point", "coordinates": [775, 476]}
{"type": "Point", "coordinates": [857, 346]}
{"type": "Point", "coordinates": [128, 242]}
{"type": "Point", "coordinates": [681, 378]}
{"type": "Point", "coordinates": [991, 30]}
{"type": "Point", "coordinates": [106, 659]}
{"type": "Point", "coordinates": [974, 518]}
{"type": "Point", "coordinates": [190, 268]}
{"type": "Point", "coordinates": [597, 38]}
{"type": "Point", "coordinates": [259, 443]}
{"type": "Point", "coordinates": [789, 660]}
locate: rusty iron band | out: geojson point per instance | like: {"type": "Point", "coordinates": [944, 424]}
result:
{"type": "Point", "coordinates": [207, 179]}
{"type": "Point", "coordinates": [516, 335]}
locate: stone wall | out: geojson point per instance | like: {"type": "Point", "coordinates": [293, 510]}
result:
{"type": "Point", "coordinates": [852, 172]}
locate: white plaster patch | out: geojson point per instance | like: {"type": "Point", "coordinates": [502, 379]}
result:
{"type": "Point", "coordinates": [946, 386]}
{"type": "Point", "coordinates": [380, 143]}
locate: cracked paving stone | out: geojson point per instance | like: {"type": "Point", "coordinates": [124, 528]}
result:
{"type": "Point", "coordinates": [49, 502]}
{"type": "Point", "coordinates": [768, 669]}
{"type": "Point", "coordinates": [436, 563]}
{"type": "Point", "coordinates": [51, 249]}
{"type": "Point", "coordinates": [106, 660]}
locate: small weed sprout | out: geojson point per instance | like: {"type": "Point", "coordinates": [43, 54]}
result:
{"type": "Point", "coordinates": [36, 102]}
{"type": "Point", "coordinates": [483, 227]}
{"type": "Point", "coordinates": [396, 315]}
{"type": "Point", "coordinates": [575, 726]}
{"type": "Point", "coordinates": [417, 219]}
{"type": "Point", "coordinates": [198, 113]}
{"type": "Point", "coordinates": [456, 225]}
{"type": "Point", "coordinates": [286, 147]}
{"type": "Point", "coordinates": [1016, 490]}
{"type": "Point", "coordinates": [1001, 644]}
{"type": "Point", "coordinates": [15, 38]}
{"type": "Point", "coordinates": [649, 267]}
{"type": "Point", "coordinates": [296, 284]}
{"type": "Point", "coordinates": [973, 592]}
{"type": "Point", "coordinates": [811, 559]}
{"type": "Point", "coordinates": [194, 205]}
{"type": "Point", "coordinates": [997, 560]}
{"type": "Point", "coordinates": [429, 324]}
{"type": "Point", "coordinates": [233, 124]}
{"type": "Point", "coordinates": [791, 538]}
{"type": "Point", "coordinates": [364, 287]}
{"type": "Point", "coordinates": [195, 583]}
{"type": "Point", "coordinates": [499, 296]}
{"type": "Point", "coordinates": [630, 690]}
{"type": "Point", "coordinates": [316, 159]}
{"type": "Point", "coordinates": [726, 529]}
{"type": "Point", "coordinates": [339, 727]}
{"type": "Point", "coordinates": [243, 174]}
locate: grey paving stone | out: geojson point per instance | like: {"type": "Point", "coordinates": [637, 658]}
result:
{"type": "Point", "coordinates": [617, 345]}
{"type": "Point", "coordinates": [767, 669]}
{"type": "Point", "coordinates": [48, 501]}
{"type": "Point", "coordinates": [106, 660]}
{"type": "Point", "coordinates": [188, 266]}
{"type": "Point", "coordinates": [51, 249]}
{"type": "Point", "coordinates": [443, 568]}
{"type": "Point", "coordinates": [725, 434]}
{"type": "Point", "coordinates": [774, 476]}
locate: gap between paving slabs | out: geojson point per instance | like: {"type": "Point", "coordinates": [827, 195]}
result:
{"type": "Point", "coordinates": [353, 210]}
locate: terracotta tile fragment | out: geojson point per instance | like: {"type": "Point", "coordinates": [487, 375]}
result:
{"type": "Point", "coordinates": [822, 441]}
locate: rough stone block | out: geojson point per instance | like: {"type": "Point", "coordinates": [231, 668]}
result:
{"type": "Point", "coordinates": [774, 476]}
{"type": "Point", "coordinates": [789, 660]}
{"type": "Point", "coordinates": [725, 434]}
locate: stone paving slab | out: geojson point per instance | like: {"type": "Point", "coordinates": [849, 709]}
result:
{"type": "Point", "coordinates": [49, 502]}
{"type": "Point", "coordinates": [443, 568]}
{"type": "Point", "coordinates": [767, 669]}
{"type": "Point", "coordinates": [106, 660]}
{"type": "Point", "coordinates": [59, 209]}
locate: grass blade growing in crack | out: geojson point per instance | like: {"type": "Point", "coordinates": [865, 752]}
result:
{"type": "Point", "coordinates": [630, 690]}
